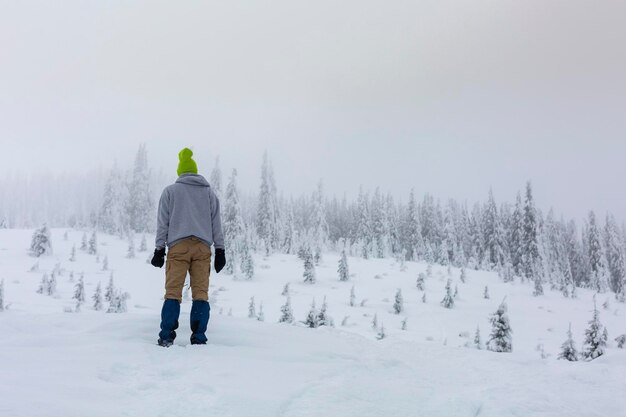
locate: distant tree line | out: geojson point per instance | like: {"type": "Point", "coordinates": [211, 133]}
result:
{"type": "Point", "coordinates": [516, 239]}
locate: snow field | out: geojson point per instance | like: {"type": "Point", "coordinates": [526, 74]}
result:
{"type": "Point", "coordinates": [97, 364]}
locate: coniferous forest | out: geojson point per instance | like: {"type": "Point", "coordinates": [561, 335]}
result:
{"type": "Point", "coordinates": [517, 239]}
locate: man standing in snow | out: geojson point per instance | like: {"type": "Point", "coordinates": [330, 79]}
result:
{"type": "Point", "coordinates": [188, 223]}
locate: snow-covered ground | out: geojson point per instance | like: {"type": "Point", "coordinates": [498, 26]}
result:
{"type": "Point", "coordinates": [56, 363]}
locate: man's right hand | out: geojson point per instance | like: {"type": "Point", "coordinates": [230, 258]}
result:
{"type": "Point", "coordinates": [158, 260]}
{"type": "Point", "coordinates": [220, 260]}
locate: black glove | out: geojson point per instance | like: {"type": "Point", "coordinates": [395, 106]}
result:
{"type": "Point", "coordinates": [220, 260]}
{"type": "Point", "coordinates": [158, 259]}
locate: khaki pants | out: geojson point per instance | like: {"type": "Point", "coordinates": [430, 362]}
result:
{"type": "Point", "coordinates": [193, 256]}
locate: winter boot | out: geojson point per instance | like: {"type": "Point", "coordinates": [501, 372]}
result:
{"type": "Point", "coordinates": [199, 318]}
{"type": "Point", "coordinates": [164, 343]}
{"type": "Point", "coordinates": [169, 322]}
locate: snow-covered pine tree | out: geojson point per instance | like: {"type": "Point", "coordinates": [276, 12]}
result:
{"type": "Point", "coordinates": [41, 244]}
{"type": "Point", "coordinates": [516, 236]}
{"type": "Point", "coordinates": [266, 210]}
{"type": "Point", "coordinates": [216, 178]}
{"type": "Point", "coordinates": [377, 223]}
{"type": "Point", "coordinates": [486, 293]}
{"type": "Point", "coordinates": [311, 318]}
{"type": "Point", "coordinates": [463, 276]}
{"type": "Point", "coordinates": [508, 275]}
{"type": "Point", "coordinates": [304, 247]}
{"type": "Point", "coordinates": [73, 254]}
{"type": "Point", "coordinates": [447, 252]}
{"type": "Point", "coordinates": [140, 205]}
{"type": "Point", "coordinates": [595, 343]}
{"type": "Point", "coordinates": [143, 246]}
{"type": "Point", "coordinates": [247, 263]}
{"type": "Point", "coordinates": [319, 225]}
{"type": "Point", "coordinates": [597, 259]}
{"type": "Point", "coordinates": [500, 339]}
{"type": "Point", "coordinates": [615, 255]}
{"type": "Point", "coordinates": [1, 295]}
{"type": "Point", "coordinates": [550, 249]}
{"type": "Point", "coordinates": [251, 309]}
{"type": "Point", "coordinates": [621, 341]}
{"type": "Point", "coordinates": [286, 312]}
{"type": "Point", "coordinates": [568, 348]}
{"type": "Point", "coordinates": [448, 300]}
{"type": "Point", "coordinates": [363, 236]}
{"type": "Point", "coordinates": [431, 221]}
{"type": "Point", "coordinates": [477, 340]}
{"type": "Point", "coordinates": [97, 298]}
{"type": "Point", "coordinates": [309, 269]}
{"type": "Point", "coordinates": [285, 290]}
{"type": "Point", "coordinates": [402, 260]}
{"type": "Point", "coordinates": [289, 232]}
{"type": "Point", "coordinates": [375, 322]}
{"type": "Point", "coordinates": [118, 302]}
{"type": "Point", "coordinates": [344, 273]}
{"type": "Point", "coordinates": [234, 229]}
{"type": "Point", "coordinates": [92, 248]}
{"type": "Point", "coordinates": [424, 297]}
{"type": "Point", "coordinates": [261, 315]}
{"type": "Point", "coordinates": [475, 239]}
{"type": "Point", "coordinates": [83, 242]}
{"type": "Point", "coordinates": [52, 284]}
{"type": "Point", "coordinates": [79, 293]}
{"type": "Point", "coordinates": [113, 218]}
{"type": "Point", "coordinates": [352, 297]}
{"type": "Point", "coordinates": [130, 252]}
{"type": "Point", "coordinates": [323, 319]}
{"type": "Point", "coordinates": [109, 292]}
{"type": "Point", "coordinates": [530, 259]}
{"type": "Point", "coordinates": [105, 263]}
{"type": "Point", "coordinates": [421, 278]}
{"type": "Point", "coordinates": [575, 255]}
{"type": "Point", "coordinates": [398, 305]}
{"type": "Point", "coordinates": [44, 285]}
{"type": "Point", "coordinates": [403, 324]}
{"type": "Point", "coordinates": [538, 290]}
{"type": "Point", "coordinates": [413, 241]}
{"type": "Point", "coordinates": [381, 332]}
{"type": "Point", "coordinates": [492, 234]}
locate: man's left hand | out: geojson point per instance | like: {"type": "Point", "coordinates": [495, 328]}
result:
{"type": "Point", "coordinates": [158, 260]}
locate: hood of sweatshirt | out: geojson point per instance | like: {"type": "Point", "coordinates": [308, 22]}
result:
{"type": "Point", "coordinates": [193, 179]}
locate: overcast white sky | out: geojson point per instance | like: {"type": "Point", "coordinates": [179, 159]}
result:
{"type": "Point", "coordinates": [450, 97]}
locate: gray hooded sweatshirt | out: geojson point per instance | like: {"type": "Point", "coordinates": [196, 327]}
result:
{"type": "Point", "coordinates": [187, 208]}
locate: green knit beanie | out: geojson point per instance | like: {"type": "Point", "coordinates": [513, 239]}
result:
{"type": "Point", "coordinates": [186, 165]}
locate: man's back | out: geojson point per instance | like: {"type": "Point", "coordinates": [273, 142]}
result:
{"type": "Point", "coordinates": [188, 208]}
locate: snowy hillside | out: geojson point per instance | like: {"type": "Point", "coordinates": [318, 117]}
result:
{"type": "Point", "coordinates": [58, 362]}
